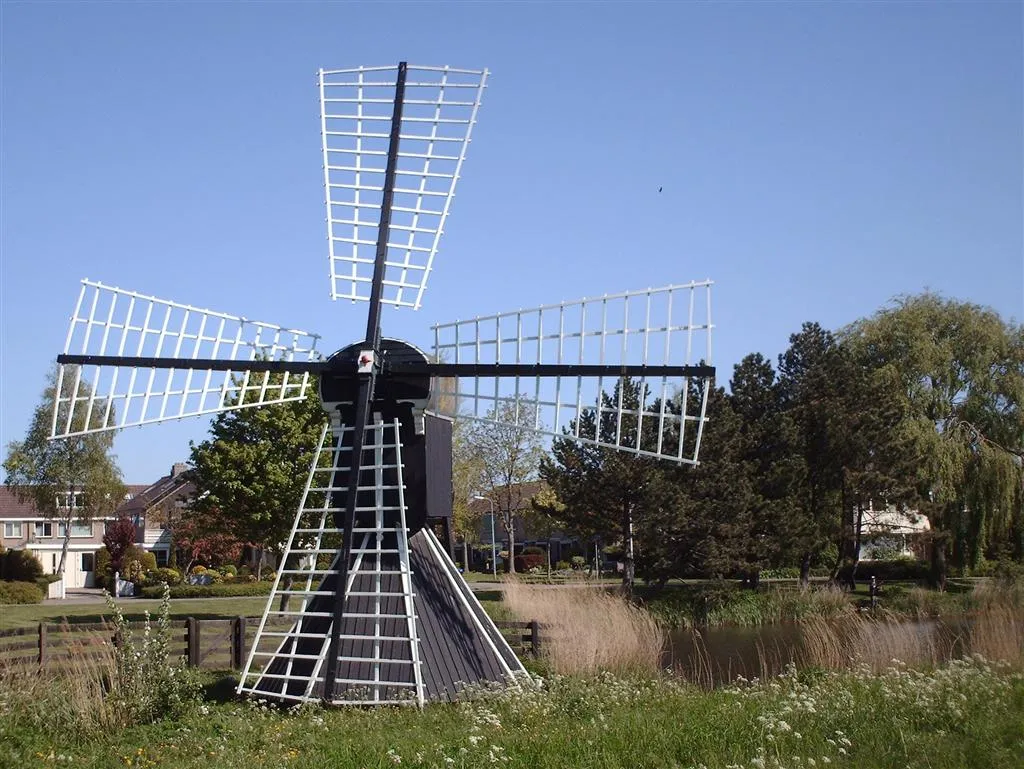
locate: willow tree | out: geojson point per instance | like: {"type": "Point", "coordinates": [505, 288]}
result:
{"type": "Point", "coordinates": [67, 480]}
{"type": "Point", "coordinates": [961, 367]}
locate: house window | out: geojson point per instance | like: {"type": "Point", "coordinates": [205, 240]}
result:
{"type": "Point", "coordinates": [44, 529]}
{"type": "Point", "coordinates": [78, 529]}
{"type": "Point", "coordinates": [12, 529]}
{"type": "Point", "coordinates": [66, 500]}
{"type": "Point", "coordinates": [88, 561]}
{"type": "Point", "coordinates": [161, 557]}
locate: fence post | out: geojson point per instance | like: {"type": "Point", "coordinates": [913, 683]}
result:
{"type": "Point", "coordinates": [42, 644]}
{"type": "Point", "coordinates": [192, 641]}
{"type": "Point", "coordinates": [535, 637]}
{"type": "Point", "coordinates": [238, 644]}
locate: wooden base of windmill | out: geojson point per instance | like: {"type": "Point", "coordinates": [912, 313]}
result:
{"type": "Point", "coordinates": [411, 629]}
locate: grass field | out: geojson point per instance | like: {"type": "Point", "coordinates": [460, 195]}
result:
{"type": "Point", "coordinates": [202, 608]}
{"type": "Point", "coordinates": [965, 715]}
{"type": "Point", "coordinates": [134, 608]}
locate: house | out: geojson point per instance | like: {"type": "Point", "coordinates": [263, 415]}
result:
{"type": "Point", "coordinates": [531, 528]}
{"type": "Point", "coordinates": [25, 528]}
{"type": "Point", "coordinates": [22, 526]}
{"type": "Point", "coordinates": [888, 532]}
{"type": "Point", "coordinates": [156, 508]}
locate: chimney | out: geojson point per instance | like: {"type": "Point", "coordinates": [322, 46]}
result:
{"type": "Point", "coordinates": [178, 468]}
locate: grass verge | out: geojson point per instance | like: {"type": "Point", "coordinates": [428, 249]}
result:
{"type": "Point", "coordinates": [967, 714]}
{"type": "Point", "coordinates": [133, 608]}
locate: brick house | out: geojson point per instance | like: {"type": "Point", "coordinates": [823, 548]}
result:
{"type": "Point", "coordinates": [22, 526]}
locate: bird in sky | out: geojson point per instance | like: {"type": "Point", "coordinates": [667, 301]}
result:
{"type": "Point", "coordinates": [659, 189]}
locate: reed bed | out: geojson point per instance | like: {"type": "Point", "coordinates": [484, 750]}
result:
{"type": "Point", "coordinates": [586, 629]}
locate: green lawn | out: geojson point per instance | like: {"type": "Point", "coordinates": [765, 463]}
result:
{"type": "Point", "coordinates": [133, 608]}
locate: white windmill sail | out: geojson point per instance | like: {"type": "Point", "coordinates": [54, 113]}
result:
{"type": "Point", "coordinates": [110, 322]}
{"type": "Point", "coordinates": [668, 326]}
{"type": "Point", "coordinates": [439, 108]}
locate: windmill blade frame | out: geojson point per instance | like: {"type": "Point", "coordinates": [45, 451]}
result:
{"type": "Point", "coordinates": [562, 360]}
{"type": "Point", "coordinates": [431, 112]}
{"type": "Point", "coordinates": [139, 359]}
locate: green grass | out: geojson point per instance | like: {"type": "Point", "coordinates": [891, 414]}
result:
{"type": "Point", "coordinates": [965, 715]}
{"type": "Point", "coordinates": [203, 608]}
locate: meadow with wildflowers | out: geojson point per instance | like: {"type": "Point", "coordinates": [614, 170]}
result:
{"type": "Point", "coordinates": [139, 708]}
{"type": "Point", "coordinates": [966, 714]}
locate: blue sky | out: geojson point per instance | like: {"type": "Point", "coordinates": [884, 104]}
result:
{"type": "Point", "coordinates": [815, 160]}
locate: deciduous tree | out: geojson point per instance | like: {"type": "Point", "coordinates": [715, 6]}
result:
{"type": "Point", "coordinates": [509, 457]}
{"type": "Point", "coordinates": [961, 369]}
{"type": "Point", "coordinates": [66, 479]}
{"type": "Point", "coordinates": [251, 472]}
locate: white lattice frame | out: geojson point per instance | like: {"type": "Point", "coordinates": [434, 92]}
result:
{"type": "Point", "coordinates": [403, 282]}
{"type": "Point", "coordinates": [486, 331]}
{"type": "Point", "coordinates": [248, 342]}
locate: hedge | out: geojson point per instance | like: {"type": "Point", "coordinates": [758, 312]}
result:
{"type": "Point", "coordinates": [897, 570]}
{"type": "Point", "coordinates": [20, 592]}
{"type": "Point", "coordinates": [20, 566]}
{"type": "Point", "coordinates": [224, 590]}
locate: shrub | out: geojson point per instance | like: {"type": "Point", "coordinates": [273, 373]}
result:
{"type": "Point", "coordinates": [781, 572]}
{"type": "Point", "coordinates": [146, 559]}
{"type": "Point", "coordinates": [896, 570]}
{"type": "Point", "coordinates": [210, 591]}
{"type": "Point", "coordinates": [103, 572]}
{"type": "Point", "coordinates": [563, 566]}
{"type": "Point", "coordinates": [20, 592]}
{"type": "Point", "coordinates": [161, 576]}
{"type": "Point", "coordinates": [578, 562]}
{"type": "Point", "coordinates": [20, 566]}
{"type": "Point", "coordinates": [533, 550]}
{"type": "Point", "coordinates": [244, 572]}
{"type": "Point", "coordinates": [147, 685]}
{"type": "Point", "coordinates": [44, 582]}
{"type": "Point", "coordinates": [229, 570]}
{"type": "Point", "coordinates": [529, 561]}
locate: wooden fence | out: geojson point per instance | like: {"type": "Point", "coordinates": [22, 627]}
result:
{"type": "Point", "coordinates": [219, 644]}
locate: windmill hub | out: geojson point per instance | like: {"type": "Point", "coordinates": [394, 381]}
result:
{"type": "Point", "coordinates": [398, 393]}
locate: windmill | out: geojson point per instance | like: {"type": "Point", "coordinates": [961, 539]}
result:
{"type": "Point", "coordinates": [367, 606]}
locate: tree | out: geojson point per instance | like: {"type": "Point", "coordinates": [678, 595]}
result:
{"type": "Point", "coordinates": [810, 382]}
{"type": "Point", "coordinates": [961, 369]}
{"type": "Point", "coordinates": [509, 455]}
{"type": "Point", "coordinates": [701, 522]}
{"type": "Point", "coordinates": [775, 467]}
{"type": "Point", "coordinates": [467, 481]}
{"type": "Point", "coordinates": [205, 539]}
{"type": "Point", "coordinates": [66, 479]}
{"type": "Point", "coordinates": [118, 537]}
{"type": "Point", "coordinates": [251, 472]}
{"type": "Point", "coordinates": [601, 491]}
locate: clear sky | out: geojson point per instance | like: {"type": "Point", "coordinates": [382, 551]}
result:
{"type": "Point", "coordinates": [815, 160]}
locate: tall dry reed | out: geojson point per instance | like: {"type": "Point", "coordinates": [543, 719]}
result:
{"type": "Point", "coordinates": [69, 695]}
{"type": "Point", "coordinates": [586, 629]}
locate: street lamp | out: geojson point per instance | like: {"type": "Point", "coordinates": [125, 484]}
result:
{"type": "Point", "coordinates": [494, 552]}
